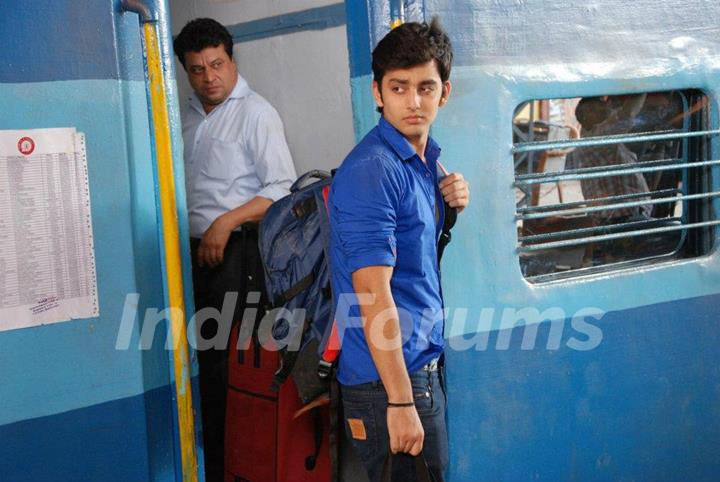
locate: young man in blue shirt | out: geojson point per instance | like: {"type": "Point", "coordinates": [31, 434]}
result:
{"type": "Point", "coordinates": [386, 215]}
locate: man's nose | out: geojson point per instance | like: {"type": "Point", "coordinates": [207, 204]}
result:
{"type": "Point", "coordinates": [208, 76]}
{"type": "Point", "coordinates": [414, 100]}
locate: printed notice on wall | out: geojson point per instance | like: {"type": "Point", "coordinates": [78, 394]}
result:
{"type": "Point", "coordinates": [47, 259]}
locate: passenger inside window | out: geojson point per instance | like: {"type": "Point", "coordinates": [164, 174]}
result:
{"type": "Point", "coordinates": [605, 116]}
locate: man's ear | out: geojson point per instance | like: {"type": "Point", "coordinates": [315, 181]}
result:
{"type": "Point", "coordinates": [446, 89]}
{"type": "Point", "coordinates": [377, 95]}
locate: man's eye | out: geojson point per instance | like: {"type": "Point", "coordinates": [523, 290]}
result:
{"type": "Point", "coordinates": [427, 90]}
{"type": "Point", "coordinates": [217, 65]}
{"type": "Point", "coordinates": [196, 70]}
{"type": "Point", "coordinates": [397, 90]}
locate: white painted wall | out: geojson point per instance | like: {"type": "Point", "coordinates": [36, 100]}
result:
{"type": "Point", "coordinates": [304, 75]}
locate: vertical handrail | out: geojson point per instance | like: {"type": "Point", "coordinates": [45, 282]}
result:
{"type": "Point", "coordinates": [172, 261]}
{"type": "Point", "coordinates": [173, 264]}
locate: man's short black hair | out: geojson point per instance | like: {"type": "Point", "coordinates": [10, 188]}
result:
{"type": "Point", "coordinates": [199, 34]}
{"type": "Point", "coordinates": [413, 44]}
{"type": "Point", "coordinates": [591, 111]}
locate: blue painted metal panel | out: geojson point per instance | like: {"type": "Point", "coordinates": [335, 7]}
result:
{"type": "Point", "coordinates": [54, 41]}
{"type": "Point", "coordinates": [359, 37]}
{"type": "Point", "coordinates": [108, 441]}
{"type": "Point", "coordinates": [70, 397]}
{"type": "Point", "coordinates": [365, 116]}
{"type": "Point", "coordinates": [359, 50]}
{"type": "Point", "coordinates": [643, 405]}
{"type": "Point", "coordinates": [608, 34]}
{"type": "Point", "coordinates": [67, 355]}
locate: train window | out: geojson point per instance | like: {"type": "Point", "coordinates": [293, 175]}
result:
{"type": "Point", "coordinates": [608, 182]}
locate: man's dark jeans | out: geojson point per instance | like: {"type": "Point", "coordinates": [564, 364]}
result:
{"type": "Point", "coordinates": [365, 415]}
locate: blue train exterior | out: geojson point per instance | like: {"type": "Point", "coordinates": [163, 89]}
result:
{"type": "Point", "coordinates": [73, 406]}
{"type": "Point", "coordinates": [642, 404]}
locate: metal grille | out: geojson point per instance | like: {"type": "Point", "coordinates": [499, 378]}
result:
{"type": "Point", "coordinates": [579, 235]}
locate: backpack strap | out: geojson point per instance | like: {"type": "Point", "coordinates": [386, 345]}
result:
{"type": "Point", "coordinates": [449, 220]}
{"type": "Point", "coordinates": [311, 460]}
{"type": "Point", "coordinates": [294, 290]}
{"type": "Point", "coordinates": [332, 344]}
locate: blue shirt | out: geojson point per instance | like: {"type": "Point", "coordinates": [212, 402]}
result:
{"type": "Point", "coordinates": [386, 210]}
{"type": "Point", "coordinates": [234, 153]}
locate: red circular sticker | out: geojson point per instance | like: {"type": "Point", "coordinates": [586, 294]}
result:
{"type": "Point", "coordinates": [26, 146]}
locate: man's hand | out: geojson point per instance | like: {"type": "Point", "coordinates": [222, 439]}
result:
{"type": "Point", "coordinates": [405, 430]}
{"type": "Point", "coordinates": [213, 242]}
{"type": "Point", "coordinates": [455, 191]}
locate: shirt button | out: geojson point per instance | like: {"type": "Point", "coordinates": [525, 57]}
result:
{"type": "Point", "coordinates": [427, 174]}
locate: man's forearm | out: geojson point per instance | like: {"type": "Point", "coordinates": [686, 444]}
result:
{"type": "Point", "coordinates": [214, 240]}
{"type": "Point", "coordinates": [382, 331]}
{"type": "Point", "coordinates": [251, 211]}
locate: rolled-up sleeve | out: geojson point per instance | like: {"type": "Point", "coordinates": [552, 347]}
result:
{"type": "Point", "coordinates": [363, 213]}
{"type": "Point", "coordinates": [273, 162]}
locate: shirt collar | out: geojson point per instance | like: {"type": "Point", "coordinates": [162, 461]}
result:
{"type": "Point", "coordinates": [402, 146]}
{"type": "Point", "coordinates": [240, 90]}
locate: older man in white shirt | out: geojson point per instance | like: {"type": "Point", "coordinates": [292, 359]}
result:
{"type": "Point", "coordinates": [237, 163]}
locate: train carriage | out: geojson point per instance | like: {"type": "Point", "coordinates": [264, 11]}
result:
{"type": "Point", "coordinates": [581, 286]}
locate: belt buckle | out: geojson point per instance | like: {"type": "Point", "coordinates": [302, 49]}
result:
{"type": "Point", "coordinates": [432, 365]}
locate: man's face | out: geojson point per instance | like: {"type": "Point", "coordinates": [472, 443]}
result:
{"type": "Point", "coordinates": [410, 98]}
{"type": "Point", "coordinates": [212, 75]}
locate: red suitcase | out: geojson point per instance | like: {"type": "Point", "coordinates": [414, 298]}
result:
{"type": "Point", "coordinates": [263, 443]}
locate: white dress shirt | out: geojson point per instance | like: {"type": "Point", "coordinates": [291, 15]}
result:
{"type": "Point", "coordinates": [233, 154]}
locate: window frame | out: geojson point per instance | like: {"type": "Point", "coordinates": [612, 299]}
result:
{"type": "Point", "coordinates": [695, 157]}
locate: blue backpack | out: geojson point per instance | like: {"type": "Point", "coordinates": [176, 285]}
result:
{"type": "Point", "coordinates": [294, 244]}
{"type": "Point", "coordinates": [294, 240]}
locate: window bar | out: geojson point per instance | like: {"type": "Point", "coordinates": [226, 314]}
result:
{"type": "Point", "coordinates": [624, 227]}
{"type": "Point", "coordinates": [553, 207]}
{"type": "Point", "coordinates": [585, 170]}
{"type": "Point", "coordinates": [608, 237]}
{"type": "Point", "coordinates": [609, 140]}
{"type": "Point", "coordinates": [615, 265]}
{"type": "Point", "coordinates": [614, 171]}
{"type": "Point", "coordinates": [610, 207]}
